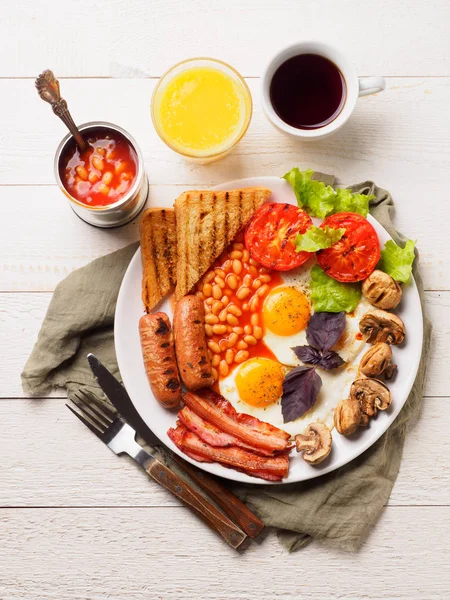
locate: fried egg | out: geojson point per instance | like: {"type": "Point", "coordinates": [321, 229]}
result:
{"type": "Point", "coordinates": [256, 386]}
{"type": "Point", "coordinates": [287, 310]}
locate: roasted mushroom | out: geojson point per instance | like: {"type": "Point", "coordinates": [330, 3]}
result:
{"type": "Point", "coordinates": [371, 394]}
{"type": "Point", "coordinates": [315, 443]}
{"type": "Point", "coordinates": [381, 326]}
{"type": "Point", "coordinates": [377, 361]}
{"type": "Point", "coordinates": [348, 416]}
{"type": "Point", "coordinates": [381, 290]}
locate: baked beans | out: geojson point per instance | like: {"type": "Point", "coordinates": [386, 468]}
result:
{"type": "Point", "coordinates": [237, 266]}
{"type": "Point", "coordinates": [243, 292]}
{"type": "Point", "coordinates": [216, 307]}
{"type": "Point", "coordinates": [257, 332]}
{"type": "Point", "coordinates": [217, 292]}
{"type": "Point", "coordinates": [234, 310]}
{"type": "Point", "coordinates": [211, 319]}
{"type": "Point", "coordinates": [241, 356]}
{"type": "Point", "coordinates": [223, 368]}
{"type": "Point", "coordinates": [101, 174]}
{"type": "Point", "coordinates": [233, 292]}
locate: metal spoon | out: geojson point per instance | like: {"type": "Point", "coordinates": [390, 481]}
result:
{"type": "Point", "coordinates": [48, 89]}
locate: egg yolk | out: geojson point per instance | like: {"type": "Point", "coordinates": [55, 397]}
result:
{"type": "Point", "coordinates": [286, 311]}
{"type": "Point", "coordinates": [259, 381]}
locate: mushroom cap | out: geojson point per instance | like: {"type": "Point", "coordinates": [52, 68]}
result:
{"type": "Point", "coordinates": [371, 394]}
{"type": "Point", "coordinates": [376, 360]}
{"type": "Point", "coordinates": [382, 290]}
{"type": "Point", "coordinates": [382, 326]}
{"type": "Point", "coordinates": [315, 443]}
{"type": "Point", "coordinates": [347, 416]}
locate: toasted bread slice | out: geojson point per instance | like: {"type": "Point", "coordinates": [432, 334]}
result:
{"type": "Point", "coordinates": [206, 224]}
{"type": "Point", "coordinates": [159, 254]}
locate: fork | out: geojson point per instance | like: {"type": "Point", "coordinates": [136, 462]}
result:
{"type": "Point", "coordinates": [120, 438]}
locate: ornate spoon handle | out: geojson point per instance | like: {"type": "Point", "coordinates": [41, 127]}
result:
{"type": "Point", "coordinates": [48, 89]}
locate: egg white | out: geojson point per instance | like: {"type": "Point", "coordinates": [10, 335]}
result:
{"type": "Point", "coordinates": [282, 346]}
{"type": "Point", "coordinates": [349, 345]}
{"type": "Point", "coordinates": [335, 387]}
{"type": "Point", "coordinates": [335, 383]}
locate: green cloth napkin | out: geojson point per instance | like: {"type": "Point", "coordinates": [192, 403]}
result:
{"type": "Point", "coordinates": [338, 508]}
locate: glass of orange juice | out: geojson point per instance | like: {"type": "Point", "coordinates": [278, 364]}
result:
{"type": "Point", "coordinates": [201, 108]}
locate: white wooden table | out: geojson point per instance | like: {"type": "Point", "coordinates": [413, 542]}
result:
{"type": "Point", "coordinates": [75, 521]}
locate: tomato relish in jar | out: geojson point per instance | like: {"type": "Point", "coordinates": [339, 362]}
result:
{"type": "Point", "coordinates": [102, 174]}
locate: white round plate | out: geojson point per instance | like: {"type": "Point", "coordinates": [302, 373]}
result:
{"type": "Point", "coordinates": [128, 349]}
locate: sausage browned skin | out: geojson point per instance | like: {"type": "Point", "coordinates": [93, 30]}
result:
{"type": "Point", "coordinates": [190, 343]}
{"type": "Point", "coordinates": [159, 358]}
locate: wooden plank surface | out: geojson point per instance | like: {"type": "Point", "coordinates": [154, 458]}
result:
{"type": "Point", "coordinates": [108, 532]}
{"type": "Point", "coordinates": [46, 240]}
{"type": "Point", "coordinates": [91, 475]}
{"type": "Point", "coordinates": [397, 136]}
{"type": "Point", "coordinates": [384, 141]}
{"type": "Point", "coordinates": [165, 554]}
{"type": "Point", "coordinates": [132, 38]}
{"type": "Point", "coordinates": [21, 316]}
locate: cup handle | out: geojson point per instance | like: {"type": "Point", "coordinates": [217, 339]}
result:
{"type": "Point", "coordinates": [371, 85]}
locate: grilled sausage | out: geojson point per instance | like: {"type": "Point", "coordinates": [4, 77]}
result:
{"type": "Point", "coordinates": [159, 358]}
{"type": "Point", "coordinates": [190, 343]}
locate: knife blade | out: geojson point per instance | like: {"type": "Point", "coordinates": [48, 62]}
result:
{"type": "Point", "coordinates": [119, 398]}
{"type": "Point", "coordinates": [122, 402]}
{"type": "Point", "coordinates": [120, 438]}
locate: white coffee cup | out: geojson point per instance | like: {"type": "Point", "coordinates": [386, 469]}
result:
{"type": "Point", "coordinates": [356, 86]}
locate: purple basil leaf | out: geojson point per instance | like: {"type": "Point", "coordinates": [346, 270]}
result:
{"type": "Point", "coordinates": [300, 389]}
{"type": "Point", "coordinates": [330, 360]}
{"type": "Point", "coordinates": [324, 329]}
{"type": "Point", "coordinates": [308, 354]}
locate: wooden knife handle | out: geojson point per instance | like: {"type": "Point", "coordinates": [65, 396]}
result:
{"type": "Point", "coordinates": [228, 502]}
{"type": "Point", "coordinates": [200, 505]}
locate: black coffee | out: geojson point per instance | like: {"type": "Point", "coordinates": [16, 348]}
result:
{"type": "Point", "coordinates": [308, 91]}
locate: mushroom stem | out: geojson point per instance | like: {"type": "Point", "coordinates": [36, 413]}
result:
{"type": "Point", "coordinates": [305, 443]}
{"type": "Point", "coordinates": [315, 443]}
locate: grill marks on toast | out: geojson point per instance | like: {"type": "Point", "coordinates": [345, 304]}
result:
{"type": "Point", "coordinates": [170, 248]}
{"type": "Point", "coordinates": [227, 226]}
{"type": "Point", "coordinates": [159, 254]}
{"type": "Point", "coordinates": [206, 223]}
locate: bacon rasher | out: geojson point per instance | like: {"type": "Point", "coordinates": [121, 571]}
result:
{"type": "Point", "coordinates": [248, 420]}
{"type": "Point", "coordinates": [212, 435]}
{"type": "Point", "coordinates": [248, 429]}
{"type": "Point", "coordinates": [269, 468]}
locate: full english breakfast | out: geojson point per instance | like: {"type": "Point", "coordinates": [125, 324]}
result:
{"type": "Point", "coordinates": [282, 325]}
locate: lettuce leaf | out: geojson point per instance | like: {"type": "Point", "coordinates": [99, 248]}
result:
{"type": "Point", "coordinates": [345, 201]}
{"type": "Point", "coordinates": [316, 238]}
{"type": "Point", "coordinates": [313, 196]}
{"type": "Point", "coordinates": [329, 295]}
{"type": "Point", "coordinates": [396, 261]}
{"type": "Point", "coordinates": [320, 200]}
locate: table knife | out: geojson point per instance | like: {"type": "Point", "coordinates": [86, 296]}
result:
{"type": "Point", "coordinates": [111, 429]}
{"type": "Point", "coordinates": [122, 402]}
